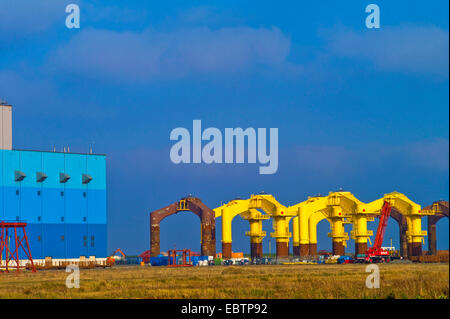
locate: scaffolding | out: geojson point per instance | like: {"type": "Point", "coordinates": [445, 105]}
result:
{"type": "Point", "coordinates": [9, 254]}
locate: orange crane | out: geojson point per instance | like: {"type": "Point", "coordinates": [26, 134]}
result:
{"type": "Point", "coordinates": [376, 253]}
{"type": "Point", "coordinates": [110, 260]}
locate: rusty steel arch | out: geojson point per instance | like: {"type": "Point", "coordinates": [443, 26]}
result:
{"type": "Point", "coordinates": [405, 248]}
{"type": "Point", "coordinates": [196, 206]}
{"type": "Point", "coordinates": [440, 208]}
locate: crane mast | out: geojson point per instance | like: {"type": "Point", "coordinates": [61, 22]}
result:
{"type": "Point", "coordinates": [376, 253]}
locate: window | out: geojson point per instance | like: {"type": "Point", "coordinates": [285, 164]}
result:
{"type": "Point", "coordinates": [19, 176]}
{"type": "Point", "coordinates": [62, 193]}
{"type": "Point", "coordinates": [17, 192]}
{"type": "Point", "coordinates": [84, 219]}
{"type": "Point", "coordinates": [40, 177]}
{"type": "Point", "coordinates": [39, 193]}
{"type": "Point", "coordinates": [39, 218]}
{"type": "Point", "coordinates": [62, 218]}
{"type": "Point", "coordinates": [63, 177]}
{"type": "Point", "coordinates": [86, 178]}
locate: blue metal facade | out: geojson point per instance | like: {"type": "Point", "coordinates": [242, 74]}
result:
{"type": "Point", "coordinates": [65, 219]}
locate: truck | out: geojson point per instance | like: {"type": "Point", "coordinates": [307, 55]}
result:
{"type": "Point", "coordinates": [376, 253]}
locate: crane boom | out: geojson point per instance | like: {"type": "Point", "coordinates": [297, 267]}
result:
{"type": "Point", "coordinates": [376, 253]}
{"type": "Point", "coordinates": [384, 217]}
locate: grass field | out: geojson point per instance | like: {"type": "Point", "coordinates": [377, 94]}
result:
{"type": "Point", "coordinates": [265, 281]}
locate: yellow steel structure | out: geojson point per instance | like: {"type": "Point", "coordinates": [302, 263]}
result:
{"type": "Point", "coordinates": [255, 219]}
{"type": "Point", "coordinates": [406, 207]}
{"type": "Point", "coordinates": [249, 210]}
{"type": "Point", "coordinates": [301, 223]}
{"type": "Point", "coordinates": [338, 208]}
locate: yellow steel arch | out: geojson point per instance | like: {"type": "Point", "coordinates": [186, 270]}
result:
{"type": "Point", "coordinates": [339, 208]}
{"type": "Point", "coordinates": [313, 220]}
{"type": "Point", "coordinates": [411, 210]}
{"type": "Point", "coordinates": [248, 209]}
{"type": "Point", "coordinates": [301, 222]}
{"type": "Point", "coordinates": [241, 207]}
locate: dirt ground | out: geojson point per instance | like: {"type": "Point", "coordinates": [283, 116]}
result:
{"type": "Point", "coordinates": [261, 281]}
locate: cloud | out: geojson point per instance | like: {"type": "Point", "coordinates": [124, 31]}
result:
{"type": "Point", "coordinates": [330, 160]}
{"type": "Point", "coordinates": [320, 161]}
{"type": "Point", "coordinates": [20, 18]}
{"type": "Point", "coordinates": [411, 49]}
{"type": "Point", "coordinates": [152, 54]}
{"type": "Point", "coordinates": [433, 154]}
{"type": "Point", "coordinates": [36, 96]}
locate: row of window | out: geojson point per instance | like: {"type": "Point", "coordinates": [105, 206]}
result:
{"type": "Point", "coordinates": [41, 176]}
{"type": "Point", "coordinates": [39, 238]}
{"type": "Point", "coordinates": [39, 218]}
{"type": "Point", "coordinates": [39, 193]}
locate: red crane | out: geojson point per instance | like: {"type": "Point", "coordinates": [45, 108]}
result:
{"type": "Point", "coordinates": [376, 253]}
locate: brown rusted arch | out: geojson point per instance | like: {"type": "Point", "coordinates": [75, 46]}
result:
{"type": "Point", "coordinates": [403, 228]}
{"type": "Point", "coordinates": [432, 221]}
{"type": "Point", "coordinates": [195, 205]}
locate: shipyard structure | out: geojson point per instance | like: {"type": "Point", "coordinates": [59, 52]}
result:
{"type": "Point", "coordinates": [61, 196]}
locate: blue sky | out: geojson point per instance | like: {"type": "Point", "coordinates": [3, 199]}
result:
{"type": "Point", "coordinates": [365, 110]}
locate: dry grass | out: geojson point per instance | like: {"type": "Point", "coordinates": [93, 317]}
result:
{"type": "Point", "coordinates": [284, 281]}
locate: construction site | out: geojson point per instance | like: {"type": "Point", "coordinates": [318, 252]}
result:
{"type": "Point", "coordinates": [54, 215]}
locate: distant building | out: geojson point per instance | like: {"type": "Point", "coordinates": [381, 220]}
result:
{"type": "Point", "coordinates": [60, 195]}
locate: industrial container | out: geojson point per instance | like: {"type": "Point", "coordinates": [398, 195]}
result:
{"type": "Point", "coordinates": [133, 260]}
{"type": "Point", "coordinates": [160, 260]}
{"type": "Point", "coordinates": [195, 260]}
{"type": "Point", "coordinates": [344, 260]}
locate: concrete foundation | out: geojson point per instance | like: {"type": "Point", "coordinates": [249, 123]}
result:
{"type": "Point", "coordinates": [360, 248]}
{"type": "Point", "coordinates": [338, 248]}
{"type": "Point", "coordinates": [282, 250]}
{"type": "Point", "coordinates": [226, 250]}
{"type": "Point", "coordinates": [303, 250]}
{"type": "Point", "coordinates": [256, 250]}
{"type": "Point", "coordinates": [313, 249]}
{"type": "Point", "coordinates": [416, 249]}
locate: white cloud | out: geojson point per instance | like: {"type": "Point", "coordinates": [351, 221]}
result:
{"type": "Point", "coordinates": [433, 154]}
{"type": "Point", "coordinates": [412, 49]}
{"type": "Point", "coordinates": [174, 54]}
{"type": "Point", "coordinates": [23, 17]}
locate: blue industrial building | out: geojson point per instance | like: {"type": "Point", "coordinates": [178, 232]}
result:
{"type": "Point", "coordinates": [62, 198]}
